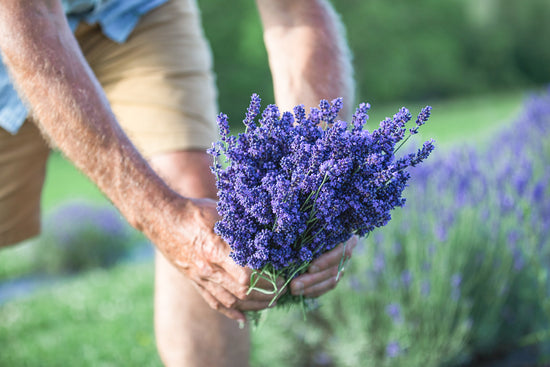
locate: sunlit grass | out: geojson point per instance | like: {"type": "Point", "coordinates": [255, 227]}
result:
{"type": "Point", "coordinates": [460, 120]}
{"type": "Point", "coordinates": [65, 182]}
{"type": "Point", "coordinates": [100, 318]}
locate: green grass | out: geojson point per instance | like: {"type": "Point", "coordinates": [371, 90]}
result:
{"type": "Point", "coordinates": [104, 317]}
{"type": "Point", "coordinates": [64, 182]}
{"type": "Point", "coordinates": [470, 119]}
{"type": "Point", "coordinates": [101, 318]}
{"type": "Point", "coordinates": [17, 261]}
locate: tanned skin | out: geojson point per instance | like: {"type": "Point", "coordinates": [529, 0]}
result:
{"type": "Point", "coordinates": [69, 106]}
{"type": "Point", "coordinates": [308, 55]}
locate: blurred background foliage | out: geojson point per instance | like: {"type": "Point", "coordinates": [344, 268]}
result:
{"type": "Point", "coordinates": [403, 50]}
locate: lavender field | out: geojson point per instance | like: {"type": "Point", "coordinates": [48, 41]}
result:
{"type": "Point", "coordinates": [460, 275]}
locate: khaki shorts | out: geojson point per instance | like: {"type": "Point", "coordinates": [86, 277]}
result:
{"type": "Point", "coordinates": [161, 88]}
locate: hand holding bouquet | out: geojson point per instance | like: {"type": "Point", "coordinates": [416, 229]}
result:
{"type": "Point", "coordinates": [293, 186]}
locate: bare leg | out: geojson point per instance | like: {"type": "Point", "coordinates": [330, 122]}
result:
{"type": "Point", "coordinates": [188, 332]}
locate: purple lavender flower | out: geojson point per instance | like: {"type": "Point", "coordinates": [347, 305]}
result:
{"type": "Point", "coordinates": [379, 262]}
{"type": "Point", "coordinates": [397, 248]}
{"type": "Point", "coordinates": [422, 118]}
{"type": "Point", "coordinates": [425, 288]}
{"type": "Point", "coordinates": [322, 358]}
{"type": "Point", "coordinates": [394, 311]}
{"type": "Point", "coordinates": [406, 278]}
{"type": "Point", "coordinates": [393, 349]}
{"type": "Point", "coordinates": [456, 280]}
{"type": "Point", "coordinates": [71, 219]}
{"type": "Point", "coordinates": [440, 232]}
{"type": "Point", "coordinates": [355, 284]}
{"type": "Point", "coordinates": [517, 254]}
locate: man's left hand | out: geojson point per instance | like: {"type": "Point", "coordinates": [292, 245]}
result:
{"type": "Point", "coordinates": [322, 275]}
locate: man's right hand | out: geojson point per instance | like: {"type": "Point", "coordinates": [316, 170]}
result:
{"type": "Point", "coordinates": [203, 257]}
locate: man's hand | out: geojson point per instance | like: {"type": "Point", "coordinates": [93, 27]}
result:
{"type": "Point", "coordinates": [323, 273]}
{"type": "Point", "coordinates": [204, 259]}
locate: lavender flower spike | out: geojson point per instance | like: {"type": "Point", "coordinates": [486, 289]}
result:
{"type": "Point", "coordinates": [422, 118]}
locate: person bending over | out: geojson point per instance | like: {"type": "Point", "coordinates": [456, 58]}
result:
{"type": "Point", "coordinates": [125, 90]}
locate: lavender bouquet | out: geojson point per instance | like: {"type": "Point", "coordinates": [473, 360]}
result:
{"type": "Point", "coordinates": [293, 186]}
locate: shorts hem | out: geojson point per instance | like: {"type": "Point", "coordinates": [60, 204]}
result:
{"type": "Point", "coordinates": [18, 236]}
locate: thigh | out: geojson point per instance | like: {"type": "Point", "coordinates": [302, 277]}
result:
{"type": "Point", "coordinates": [22, 170]}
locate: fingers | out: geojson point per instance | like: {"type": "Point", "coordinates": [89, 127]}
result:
{"type": "Point", "coordinates": [263, 290]}
{"type": "Point", "coordinates": [225, 286]}
{"type": "Point", "coordinates": [240, 280]}
{"type": "Point", "coordinates": [334, 256]}
{"type": "Point", "coordinates": [315, 284]}
{"type": "Point", "coordinates": [232, 298]}
{"type": "Point", "coordinates": [226, 303]}
{"type": "Point", "coordinates": [216, 305]}
{"type": "Point", "coordinates": [324, 273]}
{"type": "Point", "coordinates": [219, 269]}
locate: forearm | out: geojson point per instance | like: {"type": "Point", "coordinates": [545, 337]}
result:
{"type": "Point", "coordinates": [308, 53]}
{"type": "Point", "coordinates": [66, 101]}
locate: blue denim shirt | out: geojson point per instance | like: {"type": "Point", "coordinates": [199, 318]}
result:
{"type": "Point", "coordinates": [117, 19]}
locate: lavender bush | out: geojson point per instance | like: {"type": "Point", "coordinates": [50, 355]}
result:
{"type": "Point", "coordinates": [79, 235]}
{"type": "Point", "coordinates": [460, 276]}
{"type": "Point", "coordinates": [294, 186]}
